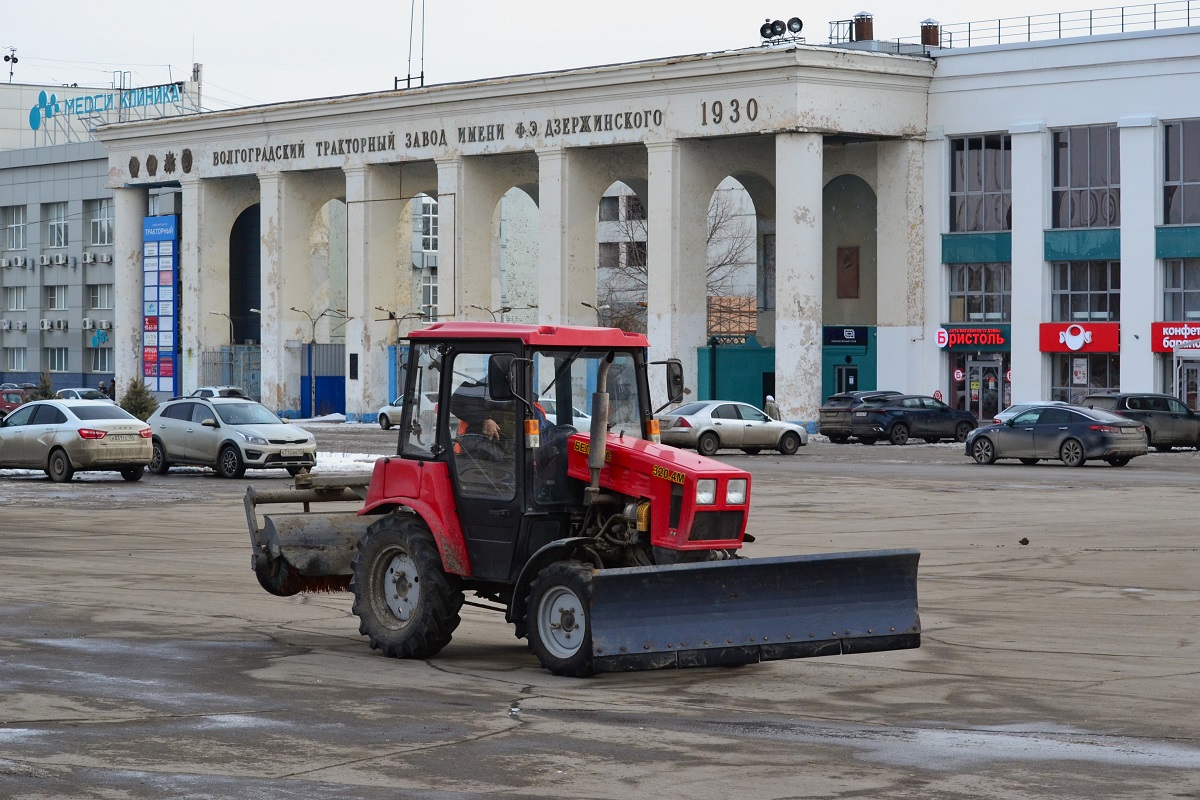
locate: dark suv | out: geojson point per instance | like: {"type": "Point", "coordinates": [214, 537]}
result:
{"type": "Point", "coordinates": [1169, 423]}
{"type": "Point", "coordinates": [834, 417]}
{"type": "Point", "coordinates": [910, 416]}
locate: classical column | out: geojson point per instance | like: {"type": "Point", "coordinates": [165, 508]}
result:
{"type": "Point", "coordinates": [280, 384]}
{"type": "Point", "coordinates": [373, 210]}
{"type": "Point", "coordinates": [569, 186]}
{"type": "Point", "coordinates": [798, 197]}
{"type": "Point", "coordinates": [449, 186]}
{"type": "Point", "coordinates": [676, 260]}
{"type": "Point", "coordinates": [1140, 286]}
{"type": "Point", "coordinates": [130, 206]}
{"type": "Point", "coordinates": [191, 324]}
{"type": "Point", "coordinates": [905, 357]}
{"type": "Point", "coordinates": [1030, 278]}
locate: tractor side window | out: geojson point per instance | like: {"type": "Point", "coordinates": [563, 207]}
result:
{"type": "Point", "coordinates": [484, 431]}
{"type": "Point", "coordinates": [418, 424]}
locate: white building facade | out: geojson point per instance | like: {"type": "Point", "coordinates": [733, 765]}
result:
{"type": "Point", "coordinates": [980, 224]}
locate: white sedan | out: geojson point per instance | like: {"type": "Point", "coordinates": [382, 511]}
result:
{"type": "Point", "coordinates": [711, 425]}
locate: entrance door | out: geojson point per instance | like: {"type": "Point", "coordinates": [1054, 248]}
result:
{"type": "Point", "coordinates": [985, 388]}
{"type": "Point", "coordinates": [1188, 389]}
{"type": "Point", "coordinates": [845, 378]}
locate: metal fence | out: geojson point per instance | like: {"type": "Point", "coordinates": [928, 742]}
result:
{"type": "Point", "coordinates": [239, 365]}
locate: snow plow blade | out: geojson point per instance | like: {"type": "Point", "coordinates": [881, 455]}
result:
{"type": "Point", "coordinates": [748, 610]}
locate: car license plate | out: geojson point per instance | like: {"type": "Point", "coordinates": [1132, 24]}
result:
{"type": "Point", "coordinates": [291, 452]}
{"type": "Point", "coordinates": [860, 413]}
{"type": "Point", "coordinates": [1129, 431]}
{"type": "Point", "coordinates": [122, 437]}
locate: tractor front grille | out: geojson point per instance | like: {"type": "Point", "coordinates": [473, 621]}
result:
{"type": "Point", "coordinates": [715, 525]}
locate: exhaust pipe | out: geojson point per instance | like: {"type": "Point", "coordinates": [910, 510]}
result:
{"type": "Point", "coordinates": [599, 431]}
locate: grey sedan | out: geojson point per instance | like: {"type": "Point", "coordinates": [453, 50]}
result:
{"type": "Point", "coordinates": [711, 425]}
{"type": "Point", "coordinates": [1070, 434]}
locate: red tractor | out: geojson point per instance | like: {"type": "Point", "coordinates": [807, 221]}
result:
{"type": "Point", "coordinates": [606, 549]}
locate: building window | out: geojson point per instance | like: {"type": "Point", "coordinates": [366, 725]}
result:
{"type": "Point", "coordinates": [14, 227]}
{"type": "Point", "coordinates": [56, 298]}
{"type": "Point", "coordinates": [633, 207]}
{"type": "Point", "coordinates": [15, 359]}
{"type": "Point", "coordinates": [981, 183]}
{"type": "Point", "coordinates": [56, 359]}
{"type": "Point", "coordinates": [635, 254]}
{"type": "Point", "coordinates": [56, 224]}
{"type": "Point", "coordinates": [980, 293]}
{"type": "Point", "coordinates": [429, 296]}
{"type": "Point", "coordinates": [1086, 291]}
{"type": "Point", "coordinates": [1076, 375]}
{"type": "Point", "coordinates": [100, 214]}
{"type": "Point", "coordinates": [610, 255]}
{"type": "Point", "coordinates": [425, 232]}
{"type": "Point", "coordinates": [610, 208]}
{"type": "Point", "coordinates": [1181, 173]}
{"type": "Point", "coordinates": [100, 296]}
{"type": "Point", "coordinates": [1181, 289]}
{"type": "Point", "coordinates": [14, 298]}
{"type": "Point", "coordinates": [101, 359]}
{"type": "Point", "coordinates": [1087, 178]}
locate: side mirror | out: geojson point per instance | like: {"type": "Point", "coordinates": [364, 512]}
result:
{"type": "Point", "coordinates": [674, 380]}
{"type": "Point", "coordinates": [500, 376]}
{"type": "Point", "coordinates": [209, 423]}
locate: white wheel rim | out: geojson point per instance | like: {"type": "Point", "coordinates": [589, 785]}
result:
{"type": "Point", "coordinates": [561, 622]}
{"type": "Point", "coordinates": [402, 587]}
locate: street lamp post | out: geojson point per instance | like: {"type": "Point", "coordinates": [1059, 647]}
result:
{"type": "Point", "coordinates": [597, 309]}
{"type": "Point", "coordinates": [228, 317]}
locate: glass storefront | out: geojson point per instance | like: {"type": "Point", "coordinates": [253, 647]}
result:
{"type": "Point", "coordinates": [979, 383]}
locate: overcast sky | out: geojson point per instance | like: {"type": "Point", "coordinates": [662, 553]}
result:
{"type": "Point", "coordinates": [266, 51]}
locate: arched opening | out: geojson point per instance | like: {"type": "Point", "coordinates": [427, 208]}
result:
{"type": "Point", "coordinates": [245, 277]}
{"type": "Point", "coordinates": [621, 245]}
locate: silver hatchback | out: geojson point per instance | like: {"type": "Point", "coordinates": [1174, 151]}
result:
{"type": "Point", "coordinates": [229, 434]}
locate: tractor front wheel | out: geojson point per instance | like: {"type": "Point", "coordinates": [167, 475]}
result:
{"type": "Point", "coordinates": [558, 618]}
{"type": "Point", "coordinates": [406, 604]}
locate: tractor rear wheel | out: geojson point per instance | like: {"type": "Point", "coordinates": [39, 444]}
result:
{"type": "Point", "coordinates": [406, 604]}
{"type": "Point", "coordinates": [558, 618]}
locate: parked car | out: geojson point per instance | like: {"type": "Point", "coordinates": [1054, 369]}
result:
{"type": "Point", "coordinates": [82, 394]}
{"type": "Point", "coordinates": [1169, 423]}
{"type": "Point", "coordinates": [229, 434]}
{"type": "Point", "coordinates": [579, 419]}
{"type": "Point", "coordinates": [901, 417]}
{"type": "Point", "coordinates": [220, 391]}
{"type": "Point", "coordinates": [835, 415]}
{"type": "Point", "coordinates": [63, 437]}
{"type": "Point", "coordinates": [1071, 434]}
{"type": "Point", "coordinates": [11, 400]}
{"type": "Point", "coordinates": [711, 425]}
{"type": "Point", "coordinates": [1017, 408]}
{"type": "Point", "coordinates": [18, 386]}
{"type": "Point", "coordinates": [389, 414]}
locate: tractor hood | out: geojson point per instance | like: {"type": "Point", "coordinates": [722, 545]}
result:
{"type": "Point", "coordinates": [697, 503]}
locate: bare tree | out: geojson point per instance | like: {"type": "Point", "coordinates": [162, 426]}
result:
{"type": "Point", "coordinates": [730, 246]}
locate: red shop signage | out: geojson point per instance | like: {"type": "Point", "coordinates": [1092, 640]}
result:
{"type": "Point", "coordinates": [1081, 337]}
{"type": "Point", "coordinates": [1166, 336]}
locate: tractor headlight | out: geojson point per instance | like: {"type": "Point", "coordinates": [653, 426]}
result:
{"type": "Point", "coordinates": [706, 492]}
{"type": "Point", "coordinates": [735, 492]}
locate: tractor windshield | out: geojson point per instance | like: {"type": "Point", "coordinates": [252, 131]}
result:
{"type": "Point", "coordinates": [564, 381]}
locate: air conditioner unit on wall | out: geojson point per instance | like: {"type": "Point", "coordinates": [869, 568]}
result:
{"type": "Point", "coordinates": [89, 258]}
{"type": "Point", "coordinates": [60, 259]}
{"type": "Point", "coordinates": [105, 258]}
{"type": "Point", "coordinates": [88, 323]}
{"type": "Point", "coordinates": [6, 325]}
{"type": "Point", "coordinates": [47, 324]}
{"type": "Point", "coordinates": [44, 261]}
{"type": "Point", "coordinates": [4, 262]}
{"type": "Point", "coordinates": [18, 262]}
{"type": "Point", "coordinates": [21, 325]}
{"type": "Point", "coordinates": [105, 324]}
{"type": "Point", "coordinates": [60, 324]}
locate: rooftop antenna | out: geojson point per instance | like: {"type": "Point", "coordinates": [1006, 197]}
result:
{"type": "Point", "coordinates": [412, 15]}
